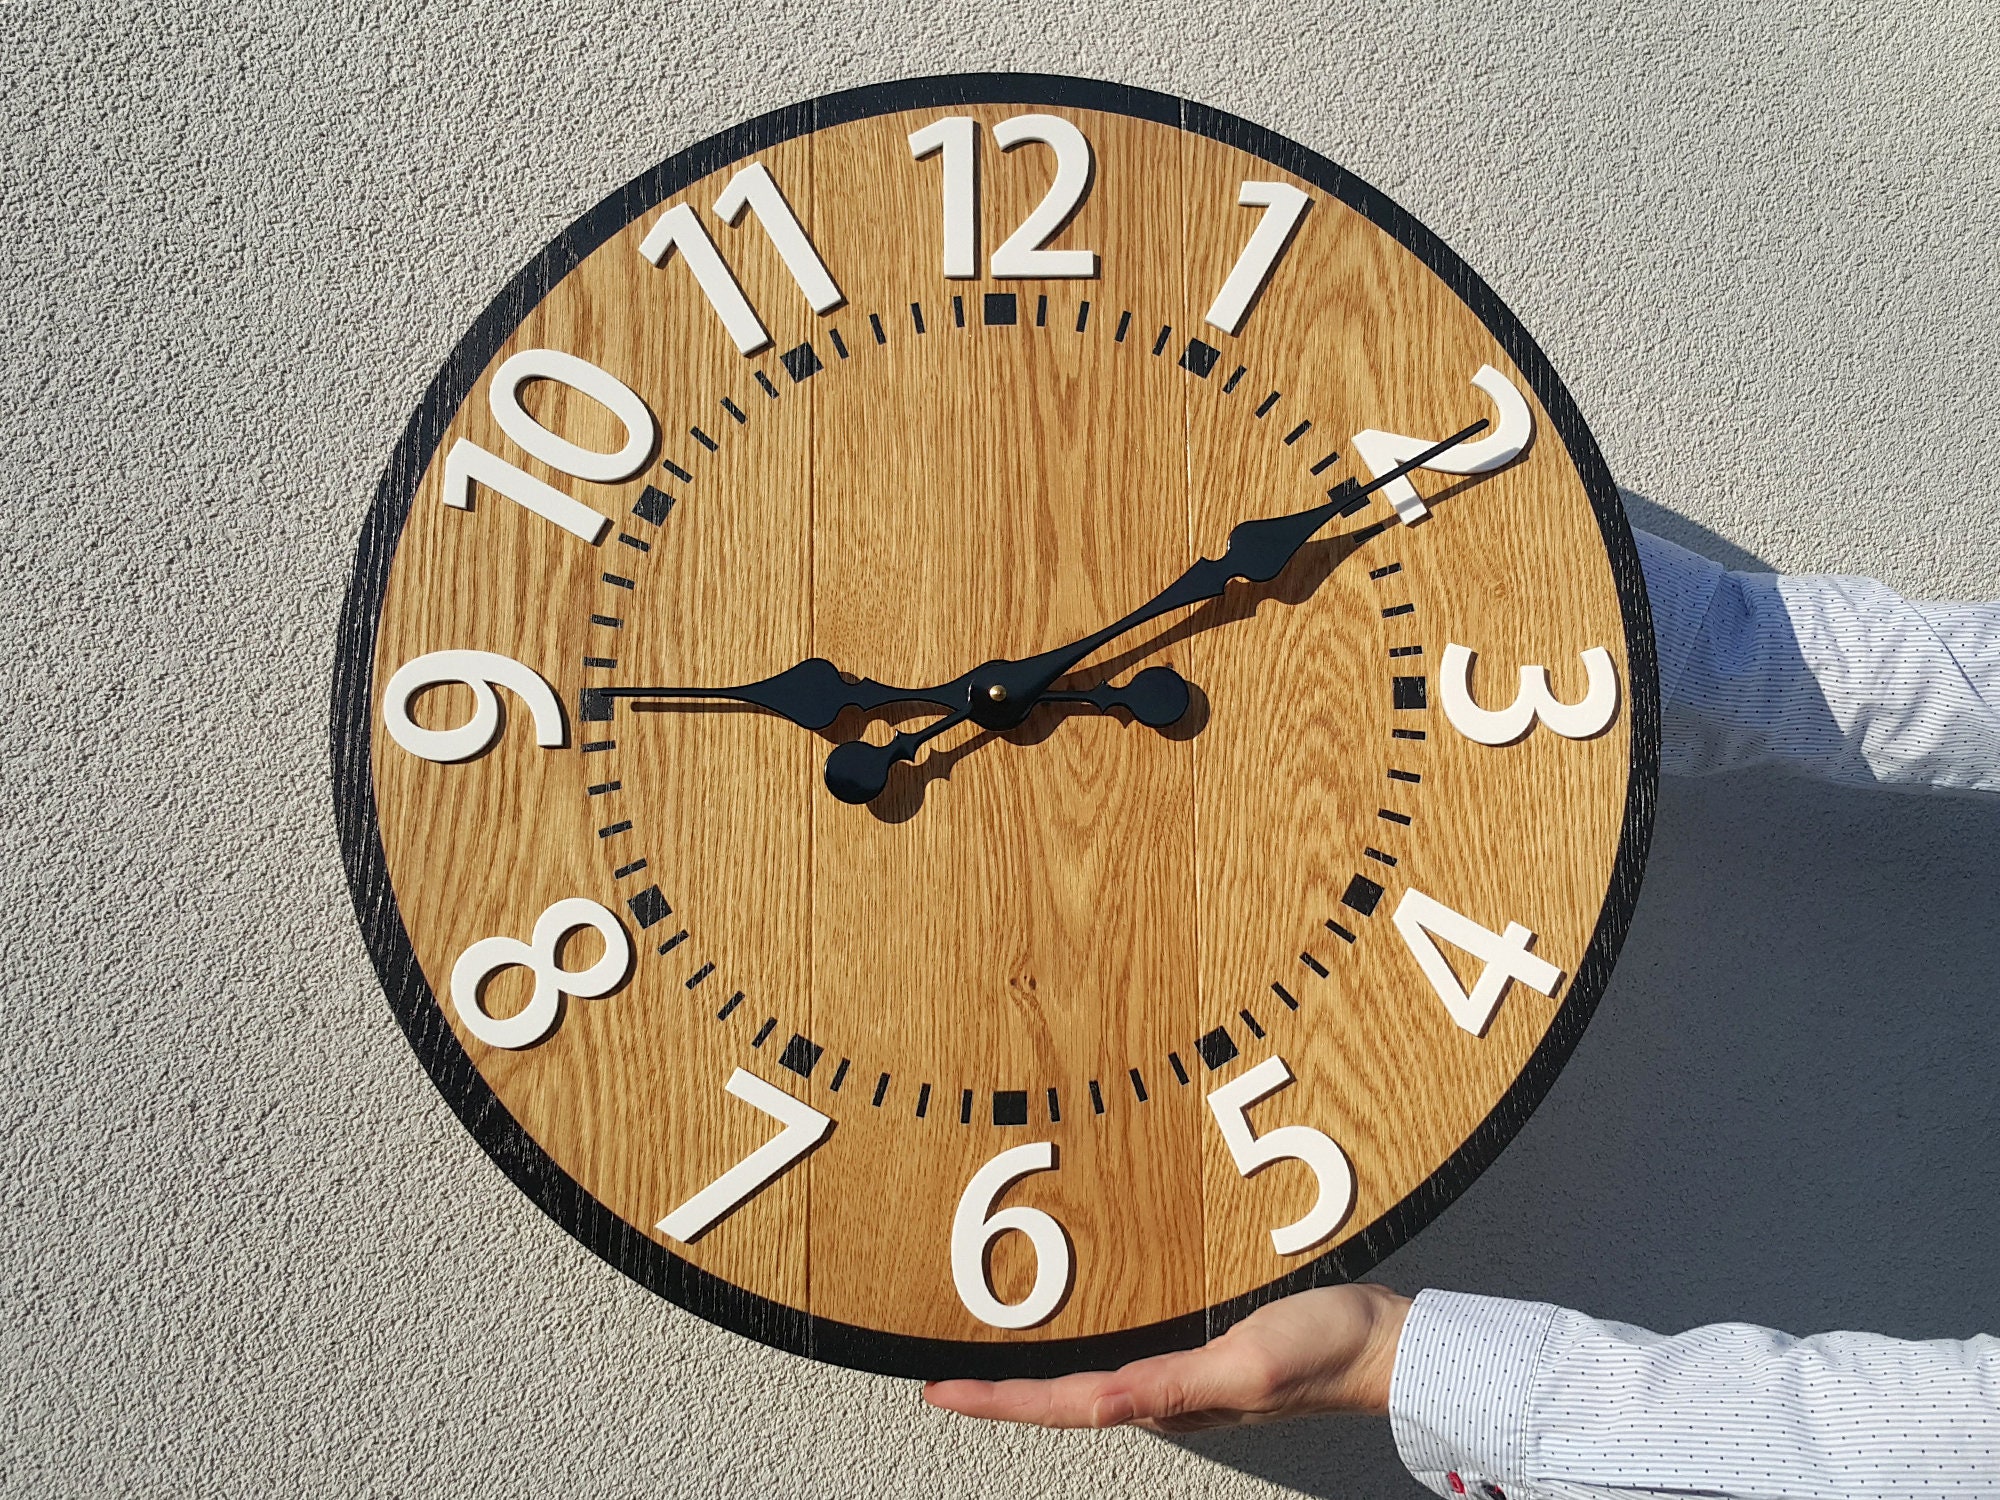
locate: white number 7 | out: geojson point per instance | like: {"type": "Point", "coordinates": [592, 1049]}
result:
{"type": "Point", "coordinates": [1231, 1105]}
{"type": "Point", "coordinates": [805, 1128]}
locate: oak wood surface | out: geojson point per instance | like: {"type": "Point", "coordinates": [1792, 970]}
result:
{"type": "Point", "coordinates": [1064, 903]}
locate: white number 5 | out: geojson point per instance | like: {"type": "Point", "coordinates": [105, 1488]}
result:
{"type": "Point", "coordinates": [1231, 1104]}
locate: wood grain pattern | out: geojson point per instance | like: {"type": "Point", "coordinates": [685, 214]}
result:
{"type": "Point", "coordinates": [1061, 905]}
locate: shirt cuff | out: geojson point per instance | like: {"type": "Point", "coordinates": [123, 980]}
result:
{"type": "Point", "coordinates": [1460, 1395]}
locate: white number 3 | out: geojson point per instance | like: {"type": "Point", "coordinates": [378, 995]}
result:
{"type": "Point", "coordinates": [1502, 726]}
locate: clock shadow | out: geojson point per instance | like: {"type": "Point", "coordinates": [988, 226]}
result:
{"type": "Point", "coordinates": [1781, 1112]}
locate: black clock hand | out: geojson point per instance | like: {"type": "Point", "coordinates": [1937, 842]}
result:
{"type": "Point", "coordinates": [1003, 692]}
{"type": "Point", "coordinates": [813, 694]}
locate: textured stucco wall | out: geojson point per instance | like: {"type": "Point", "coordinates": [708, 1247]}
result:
{"type": "Point", "coordinates": [1758, 239]}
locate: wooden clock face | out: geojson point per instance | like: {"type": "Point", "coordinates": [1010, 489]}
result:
{"type": "Point", "coordinates": [1101, 1021]}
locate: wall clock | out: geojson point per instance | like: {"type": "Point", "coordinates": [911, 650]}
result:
{"type": "Point", "coordinates": [985, 721]}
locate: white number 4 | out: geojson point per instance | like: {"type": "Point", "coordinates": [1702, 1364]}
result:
{"type": "Point", "coordinates": [1504, 954]}
{"type": "Point", "coordinates": [805, 1128]}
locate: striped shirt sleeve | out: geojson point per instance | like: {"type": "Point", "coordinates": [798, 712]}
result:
{"type": "Point", "coordinates": [1534, 1402]}
{"type": "Point", "coordinates": [1829, 676]}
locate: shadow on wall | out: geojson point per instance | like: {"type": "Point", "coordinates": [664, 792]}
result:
{"type": "Point", "coordinates": [1783, 1112]}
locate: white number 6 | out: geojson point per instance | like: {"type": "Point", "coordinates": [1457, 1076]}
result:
{"type": "Point", "coordinates": [1502, 726]}
{"type": "Point", "coordinates": [973, 1228]}
{"type": "Point", "coordinates": [1318, 1150]}
{"type": "Point", "coordinates": [478, 670]}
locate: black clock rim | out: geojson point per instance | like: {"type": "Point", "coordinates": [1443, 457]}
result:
{"type": "Point", "coordinates": [538, 1175]}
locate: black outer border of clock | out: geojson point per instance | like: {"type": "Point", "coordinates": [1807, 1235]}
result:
{"type": "Point", "coordinates": [503, 1138]}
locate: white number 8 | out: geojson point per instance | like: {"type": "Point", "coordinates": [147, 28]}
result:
{"type": "Point", "coordinates": [535, 1020]}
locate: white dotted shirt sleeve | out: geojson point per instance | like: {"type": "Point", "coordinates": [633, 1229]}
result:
{"type": "Point", "coordinates": [1534, 1402]}
{"type": "Point", "coordinates": [1828, 676]}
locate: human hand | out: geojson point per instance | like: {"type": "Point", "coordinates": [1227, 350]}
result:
{"type": "Point", "coordinates": [1328, 1350]}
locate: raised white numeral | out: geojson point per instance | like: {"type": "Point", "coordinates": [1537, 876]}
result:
{"type": "Point", "coordinates": [1252, 1152]}
{"type": "Point", "coordinates": [1283, 205]}
{"type": "Point", "coordinates": [678, 229]}
{"type": "Point", "coordinates": [755, 189]}
{"type": "Point", "coordinates": [468, 463]}
{"type": "Point", "coordinates": [1511, 434]}
{"type": "Point", "coordinates": [1505, 957]}
{"type": "Point", "coordinates": [975, 1226]}
{"type": "Point", "coordinates": [1502, 726]}
{"type": "Point", "coordinates": [805, 1128]}
{"type": "Point", "coordinates": [956, 137]}
{"type": "Point", "coordinates": [559, 452]}
{"type": "Point", "coordinates": [538, 1017]}
{"type": "Point", "coordinates": [1021, 253]}
{"type": "Point", "coordinates": [478, 670]}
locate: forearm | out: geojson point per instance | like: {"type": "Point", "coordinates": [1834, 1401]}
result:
{"type": "Point", "coordinates": [1828, 676]}
{"type": "Point", "coordinates": [1544, 1402]}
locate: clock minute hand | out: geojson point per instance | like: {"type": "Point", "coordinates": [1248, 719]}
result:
{"type": "Point", "coordinates": [1003, 692]}
{"type": "Point", "coordinates": [812, 694]}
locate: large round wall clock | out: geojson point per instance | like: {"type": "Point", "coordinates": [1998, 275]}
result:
{"type": "Point", "coordinates": [985, 721]}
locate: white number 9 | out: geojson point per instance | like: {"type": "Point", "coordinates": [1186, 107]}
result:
{"type": "Point", "coordinates": [973, 1228]}
{"type": "Point", "coordinates": [478, 670]}
{"type": "Point", "coordinates": [536, 1019]}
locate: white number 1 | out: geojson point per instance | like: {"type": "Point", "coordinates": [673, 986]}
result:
{"type": "Point", "coordinates": [1283, 205]}
{"type": "Point", "coordinates": [805, 1128]}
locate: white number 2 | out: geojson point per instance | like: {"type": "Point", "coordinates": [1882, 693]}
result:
{"type": "Point", "coordinates": [1502, 726]}
{"type": "Point", "coordinates": [1505, 956]}
{"type": "Point", "coordinates": [1231, 1105]}
{"type": "Point", "coordinates": [976, 1225]}
{"type": "Point", "coordinates": [805, 1128]}
{"type": "Point", "coordinates": [1383, 451]}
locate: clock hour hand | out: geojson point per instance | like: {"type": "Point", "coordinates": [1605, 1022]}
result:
{"type": "Point", "coordinates": [1003, 692]}
{"type": "Point", "coordinates": [812, 694]}
{"type": "Point", "coordinates": [857, 771]}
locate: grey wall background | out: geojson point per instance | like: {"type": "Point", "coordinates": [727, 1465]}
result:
{"type": "Point", "coordinates": [1757, 237]}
